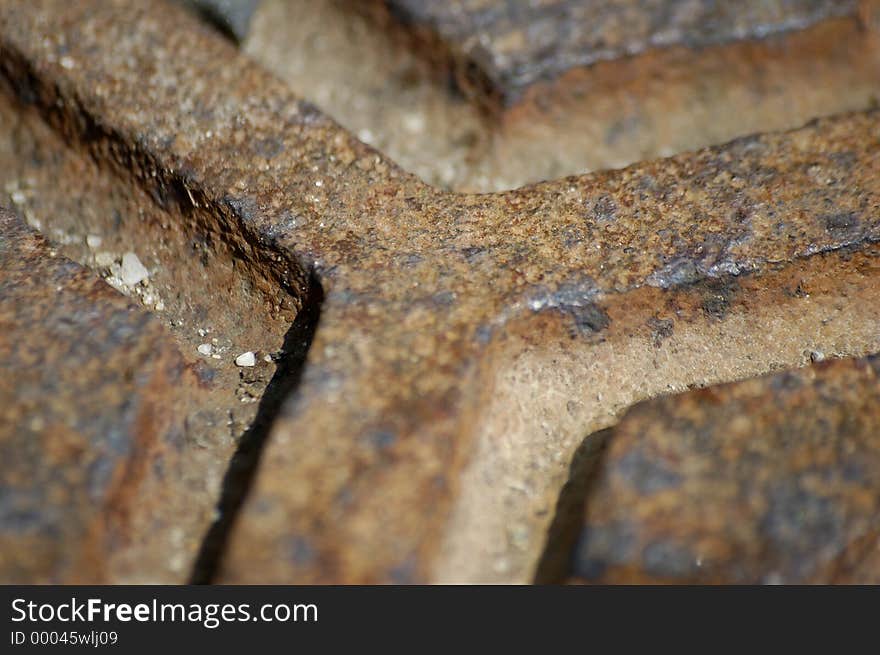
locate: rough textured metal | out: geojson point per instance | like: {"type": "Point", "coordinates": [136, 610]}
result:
{"type": "Point", "coordinates": [770, 480]}
{"type": "Point", "coordinates": [388, 463]}
{"type": "Point", "coordinates": [509, 45]}
{"type": "Point", "coordinates": [608, 115]}
{"type": "Point", "coordinates": [88, 388]}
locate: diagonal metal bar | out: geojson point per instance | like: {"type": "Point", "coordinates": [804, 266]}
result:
{"type": "Point", "coordinates": [502, 48]}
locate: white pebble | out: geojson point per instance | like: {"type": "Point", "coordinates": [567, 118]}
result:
{"type": "Point", "coordinates": [132, 270]}
{"type": "Point", "coordinates": [246, 359]}
{"type": "Point", "coordinates": [93, 241]}
{"type": "Point", "coordinates": [205, 349]}
{"type": "Point", "coordinates": [104, 259]}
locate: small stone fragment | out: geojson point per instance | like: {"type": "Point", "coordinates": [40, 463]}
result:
{"type": "Point", "coordinates": [246, 359]}
{"type": "Point", "coordinates": [205, 349]}
{"type": "Point", "coordinates": [104, 259]}
{"type": "Point", "coordinates": [132, 270]}
{"type": "Point", "coordinates": [94, 241]}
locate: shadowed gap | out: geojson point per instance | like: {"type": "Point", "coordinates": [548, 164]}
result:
{"type": "Point", "coordinates": [555, 562]}
{"type": "Point", "coordinates": [245, 462]}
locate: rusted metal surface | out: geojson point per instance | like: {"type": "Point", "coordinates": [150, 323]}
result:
{"type": "Point", "coordinates": [609, 115]}
{"type": "Point", "coordinates": [504, 46]}
{"type": "Point", "coordinates": [380, 466]}
{"type": "Point", "coordinates": [770, 480]}
{"type": "Point", "coordinates": [88, 405]}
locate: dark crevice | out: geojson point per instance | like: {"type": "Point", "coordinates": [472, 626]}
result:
{"type": "Point", "coordinates": [245, 462]}
{"type": "Point", "coordinates": [554, 566]}
{"type": "Point", "coordinates": [231, 19]}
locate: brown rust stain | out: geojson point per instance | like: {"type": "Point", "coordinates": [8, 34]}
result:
{"type": "Point", "coordinates": [362, 475]}
{"type": "Point", "coordinates": [90, 395]}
